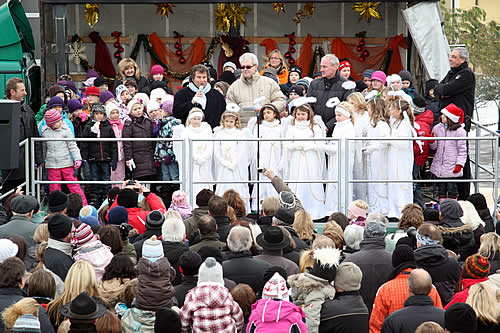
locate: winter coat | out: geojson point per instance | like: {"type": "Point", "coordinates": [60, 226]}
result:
{"type": "Point", "coordinates": [216, 105]}
{"type": "Point", "coordinates": [141, 151]}
{"type": "Point", "coordinates": [58, 262]}
{"type": "Point", "coordinates": [181, 290]}
{"type": "Point", "coordinates": [210, 308]}
{"type": "Point", "coordinates": [155, 290]}
{"type": "Point", "coordinates": [172, 251]}
{"type": "Point", "coordinates": [461, 296]}
{"type": "Point", "coordinates": [458, 87]}
{"type": "Point", "coordinates": [444, 271]}
{"type": "Point", "coordinates": [417, 309]}
{"type": "Point", "coordinates": [142, 84]}
{"type": "Point", "coordinates": [423, 123]}
{"type": "Point", "coordinates": [99, 151]}
{"type": "Point", "coordinates": [135, 320]}
{"type": "Point", "coordinates": [281, 75]}
{"type": "Point", "coordinates": [457, 237]}
{"type": "Point", "coordinates": [95, 253]}
{"type": "Point", "coordinates": [310, 292]}
{"type": "Point", "coordinates": [243, 268]}
{"type": "Point", "coordinates": [375, 263]}
{"type": "Point", "coordinates": [270, 316]}
{"type": "Point", "coordinates": [211, 239]}
{"type": "Point", "coordinates": [191, 223]}
{"type": "Point", "coordinates": [344, 314]}
{"type": "Point", "coordinates": [448, 153]}
{"type": "Point", "coordinates": [244, 93]}
{"type": "Point", "coordinates": [223, 225]}
{"type": "Point", "coordinates": [494, 263]}
{"type": "Point", "coordinates": [21, 226]}
{"type": "Point", "coordinates": [487, 219]}
{"type": "Point", "coordinates": [487, 328]}
{"type": "Point", "coordinates": [276, 259]}
{"type": "Point", "coordinates": [59, 154]}
{"type": "Point", "coordinates": [110, 290]}
{"type": "Point", "coordinates": [65, 119]}
{"type": "Point", "coordinates": [324, 89]}
{"type": "Point", "coordinates": [433, 105]}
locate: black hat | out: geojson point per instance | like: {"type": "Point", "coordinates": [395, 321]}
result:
{"type": "Point", "coordinates": [402, 254]}
{"type": "Point", "coordinates": [295, 69]}
{"type": "Point", "coordinates": [83, 307]}
{"type": "Point", "coordinates": [127, 198]}
{"type": "Point", "coordinates": [59, 226]}
{"type": "Point", "coordinates": [273, 239]}
{"type": "Point", "coordinates": [58, 201]}
{"type": "Point", "coordinates": [100, 81]}
{"type": "Point", "coordinates": [203, 196]}
{"type": "Point", "coordinates": [189, 263]}
{"type": "Point", "coordinates": [227, 76]}
{"type": "Point", "coordinates": [431, 215]}
{"type": "Point", "coordinates": [430, 84]}
{"type": "Point", "coordinates": [460, 317]}
{"type": "Point", "coordinates": [419, 101]}
{"type": "Point", "coordinates": [154, 220]}
{"type": "Point", "coordinates": [326, 261]}
{"type": "Point", "coordinates": [285, 215]}
{"type": "Point", "coordinates": [211, 251]}
{"type": "Point", "coordinates": [167, 320]}
{"type": "Point", "coordinates": [117, 215]}
{"type": "Point", "coordinates": [477, 199]}
{"type": "Point", "coordinates": [405, 75]}
{"type": "Point", "coordinates": [23, 204]}
{"type": "Point", "coordinates": [299, 90]}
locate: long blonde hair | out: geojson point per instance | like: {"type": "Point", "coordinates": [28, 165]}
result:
{"type": "Point", "coordinates": [490, 244]}
{"type": "Point", "coordinates": [483, 297]}
{"type": "Point", "coordinates": [303, 225]}
{"type": "Point", "coordinates": [81, 277]}
{"type": "Point", "coordinates": [126, 63]}
{"type": "Point", "coordinates": [26, 305]}
{"type": "Point", "coordinates": [358, 101]}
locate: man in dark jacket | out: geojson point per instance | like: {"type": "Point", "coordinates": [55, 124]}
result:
{"type": "Point", "coordinates": [202, 202]}
{"type": "Point", "coordinates": [199, 93]}
{"type": "Point", "coordinates": [331, 84]}
{"type": "Point", "coordinates": [23, 207]}
{"type": "Point", "coordinates": [190, 263]}
{"type": "Point", "coordinates": [433, 257]}
{"type": "Point", "coordinates": [154, 222]}
{"type": "Point", "coordinates": [59, 250]}
{"type": "Point", "coordinates": [418, 308]}
{"type": "Point", "coordinates": [372, 258]}
{"type": "Point", "coordinates": [346, 312]}
{"type": "Point", "coordinates": [217, 208]}
{"type": "Point", "coordinates": [207, 228]}
{"type": "Point", "coordinates": [15, 91]}
{"type": "Point", "coordinates": [12, 281]}
{"type": "Point", "coordinates": [273, 241]}
{"type": "Point", "coordinates": [239, 265]}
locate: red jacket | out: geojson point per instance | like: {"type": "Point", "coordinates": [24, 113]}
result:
{"type": "Point", "coordinates": [461, 296]}
{"type": "Point", "coordinates": [423, 124]}
{"type": "Point", "coordinates": [136, 217]}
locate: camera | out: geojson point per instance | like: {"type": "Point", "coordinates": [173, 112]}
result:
{"type": "Point", "coordinates": [260, 170]}
{"type": "Point", "coordinates": [131, 182]}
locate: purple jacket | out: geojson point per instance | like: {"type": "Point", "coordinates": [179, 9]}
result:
{"type": "Point", "coordinates": [276, 316]}
{"type": "Point", "coordinates": [448, 153]}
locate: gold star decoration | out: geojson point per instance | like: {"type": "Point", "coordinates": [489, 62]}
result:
{"type": "Point", "coordinates": [279, 7]}
{"type": "Point", "coordinates": [230, 14]}
{"type": "Point", "coordinates": [367, 10]}
{"type": "Point", "coordinates": [164, 9]}
{"type": "Point", "coordinates": [309, 9]}
{"type": "Point", "coordinates": [91, 14]}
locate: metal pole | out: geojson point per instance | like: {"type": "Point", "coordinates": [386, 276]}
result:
{"type": "Point", "coordinates": [346, 176]}
{"type": "Point", "coordinates": [183, 159]}
{"type": "Point", "coordinates": [495, 184]}
{"type": "Point", "coordinates": [191, 170]}
{"type": "Point", "coordinates": [32, 165]}
{"type": "Point", "coordinates": [476, 157]}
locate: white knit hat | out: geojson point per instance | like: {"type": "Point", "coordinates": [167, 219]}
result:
{"type": "Point", "coordinates": [210, 271]}
{"type": "Point", "coordinates": [152, 249]}
{"type": "Point", "coordinates": [7, 249]}
{"type": "Point", "coordinates": [110, 107]}
{"type": "Point", "coordinates": [276, 288]}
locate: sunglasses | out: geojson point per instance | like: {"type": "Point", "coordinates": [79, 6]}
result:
{"type": "Point", "coordinates": [247, 67]}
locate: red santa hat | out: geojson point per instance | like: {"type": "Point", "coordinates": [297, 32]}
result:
{"type": "Point", "coordinates": [343, 64]}
{"type": "Point", "coordinates": [454, 113]}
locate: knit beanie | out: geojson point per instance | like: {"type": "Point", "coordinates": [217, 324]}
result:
{"type": "Point", "coordinates": [476, 267]}
{"type": "Point", "coordinates": [58, 201]}
{"type": "Point", "coordinates": [222, 85]}
{"type": "Point", "coordinates": [158, 93]}
{"type": "Point", "coordinates": [88, 210]}
{"type": "Point", "coordinates": [105, 96]}
{"type": "Point", "coordinates": [92, 91]}
{"type": "Point", "coordinates": [156, 69]}
{"type": "Point", "coordinates": [478, 200]}
{"type": "Point", "coordinates": [168, 104]}
{"type": "Point", "coordinates": [90, 220]}
{"type": "Point", "coordinates": [287, 200]}
{"type": "Point", "coordinates": [99, 81]}
{"type": "Point", "coordinates": [27, 323]}
{"type": "Point", "coordinates": [299, 90]}
{"type": "Point", "coordinates": [275, 288]}
{"type": "Point", "coordinates": [82, 235]}
{"type": "Point", "coordinates": [430, 84]}
{"type": "Point", "coordinates": [127, 198]}
{"type": "Point", "coordinates": [460, 317]}
{"type": "Point", "coordinates": [229, 64]}
{"type": "Point", "coordinates": [368, 73]}
{"type": "Point", "coordinates": [55, 89]}
{"type": "Point", "coordinates": [227, 77]}
{"type": "Point", "coordinates": [402, 254]}
{"type": "Point", "coordinates": [152, 249]}
{"type": "Point", "coordinates": [154, 220]}
{"type": "Point", "coordinates": [295, 69]}
{"type": "Point", "coordinates": [59, 226]}
{"type": "Point", "coordinates": [348, 277]}
{"type": "Point", "coordinates": [52, 116]}
{"type": "Point", "coordinates": [374, 230]}
{"type": "Point", "coordinates": [118, 215]}
{"type": "Point", "coordinates": [203, 196]}
{"type": "Point", "coordinates": [133, 102]}
{"type": "Point", "coordinates": [430, 214]}
{"type": "Point", "coordinates": [97, 107]}
{"type": "Point", "coordinates": [68, 85]}
{"type": "Point", "coordinates": [74, 105]}
{"type": "Point", "coordinates": [379, 76]}
{"type": "Point", "coordinates": [189, 263]}
{"type": "Point", "coordinates": [210, 271]}
{"type": "Point", "coordinates": [303, 82]}
{"type": "Point", "coordinates": [55, 101]}
{"type": "Point", "coordinates": [405, 75]}
{"type": "Point", "coordinates": [326, 261]}
{"type": "Point", "coordinates": [110, 107]}
{"type": "Point", "coordinates": [285, 215]}
{"type": "Point", "coordinates": [451, 209]}
{"type": "Point", "coordinates": [153, 105]}
{"type": "Point", "coordinates": [7, 249]}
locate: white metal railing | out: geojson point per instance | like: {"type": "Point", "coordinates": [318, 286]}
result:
{"type": "Point", "coordinates": [26, 184]}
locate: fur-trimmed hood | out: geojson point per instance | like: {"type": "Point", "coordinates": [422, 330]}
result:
{"type": "Point", "coordinates": [455, 230]}
{"type": "Point", "coordinates": [305, 283]}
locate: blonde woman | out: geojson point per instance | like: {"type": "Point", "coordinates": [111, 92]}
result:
{"type": "Point", "coordinates": [303, 225]}
{"type": "Point", "coordinates": [276, 60]}
{"type": "Point", "coordinates": [128, 69]}
{"type": "Point", "coordinates": [483, 298]}
{"type": "Point", "coordinates": [490, 248]}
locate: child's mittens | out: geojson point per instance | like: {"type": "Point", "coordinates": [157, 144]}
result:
{"type": "Point", "coordinates": [432, 141]}
{"type": "Point", "coordinates": [458, 168]}
{"type": "Point", "coordinates": [78, 164]}
{"type": "Point", "coordinates": [130, 164]}
{"type": "Point", "coordinates": [114, 164]}
{"type": "Point", "coordinates": [167, 160]}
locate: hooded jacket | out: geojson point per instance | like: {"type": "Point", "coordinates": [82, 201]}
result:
{"type": "Point", "coordinates": [270, 316]}
{"type": "Point", "coordinates": [457, 237]}
{"type": "Point", "coordinates": [139, 321]}
{"type": "Point", "coordinates": [423, 123]}
{"type": "Point", "coordinates": [106, 151]}
{"type": "Point", "coordinates": [141, 151]}
{"type": "Point", "coordinates": [461, 296]}
{"type": "Point", "coordinates": [155, 290]}
{"type": "Point", "coordinates": [448, 153]}
{"type": "Point", "coordinates": [59, 154]}
{"type": "Point", "coordinates": [345, 313]}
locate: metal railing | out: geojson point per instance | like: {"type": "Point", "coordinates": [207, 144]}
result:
{"type": "Point", "coordinates": [26, 184]}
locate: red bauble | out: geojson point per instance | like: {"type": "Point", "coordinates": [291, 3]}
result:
{"type": "Point", "coordinates": [182, 60]}
{"type": "Point", "coordinates": [177, 45]}
{"type": "Point", "coordinates": [361, 59]}
{"type": "Point", "coordinates": [178, 53]}
{"type": "Point", "coordinates": [116, 44]}
{"type": "Point", "coordinates": [121, 49]}
{"type": "Point", "coordinates": [293, 42]}
{"type": "Point", "coordinates": [288, 55]}
{"type": "Point", "coordinates": [362, 42]}
{"type": "Point", "coordinates": [358, 48]}
{"type": "Point", "coordinates": [292, 49]}
{"type": "Point", "coordinates": [365, 53]}
{"type": "Point", "coordinates": [117, 54]}
{"type": "Point", "coordinates": [291, 61]}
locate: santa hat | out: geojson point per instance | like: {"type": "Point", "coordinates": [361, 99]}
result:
{"type": "Point", "coordinates": [343, 64]}
{"type": "Point", "coordinates": [454, 113]}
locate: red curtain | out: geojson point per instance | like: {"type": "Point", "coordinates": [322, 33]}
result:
{"type": "Point", "coordinates": [306, 53]}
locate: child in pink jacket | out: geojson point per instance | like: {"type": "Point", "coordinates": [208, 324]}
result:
{"type": "Point", "coordinates": [113, 114]}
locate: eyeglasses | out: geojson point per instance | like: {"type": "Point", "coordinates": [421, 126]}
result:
{"type": "Point", "coordinates": [247, 67]}
{"type": "Point", "coordinates": [274, 58]}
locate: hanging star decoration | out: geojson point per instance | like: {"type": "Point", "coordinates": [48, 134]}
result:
{"type": "Point", "coordinates": [309, 9]}
{"type": "Point", "coordinates": [164, 9]}
{"type": "Point", "coordinates": [367, 10]}
{"type": "Point", "coordinates": [78, 53]}
{"type": "Point", "coordinates": [279, 7]}
{"type": "Point", "coordinates": [91, 14]}
{"type": "Point", "coordinates": [230, 14]}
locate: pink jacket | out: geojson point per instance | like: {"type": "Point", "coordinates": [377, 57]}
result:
{"type": "Point", "coordinates": [275, 316]}
{"type": "Point", "coordinates": [117, 126]}
{"type": "Point", "coordinates": [448, 153]}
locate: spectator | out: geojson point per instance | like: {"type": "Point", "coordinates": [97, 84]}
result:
{"type": "Point", "coordinates": [174, 235]}
{"type": "Point", "coordinates": [346, 312]}
{"type": "Point", "coordinates": [202, 202]}
{"type": "Point", "coordinates": [457, 236]}
{"type": "Point", "coordinates": [484, 299]}
{"type": "Point", "coordinates": [353, 236]}
{"type": "Point", "coordinates": [167, 320]}
{"type": "Point", "coordinates": [269, 207]}
{"type": "Point", "coordinates": [210, 251]}
{"type": "Point", "coordinates": [429, 327]}
{"type": "Point", "coordinates": [273, 242]}
{"type": "Point", "coordinates": [340, 219]}
{"type": "Point", "coordinates": [218, 208]}
{"type": "Point", "coordinates": [307, 257]}
{"type": "Point", "coordinates": [460, 317]}
{"type": "Point", "coordinates": [303, 225]}
{"type": "Point", "coordinates": [7, 249]}
{"type": "Point", "coordinates": [207, 228]}
{"type": "Point", "coordinates": [335, 233]}
{"type": "Point", "coordinates": [22, 316]}
{"type": "Point", "coordinates": [118, 217]}
{"type": "Point", "coordinates": [372, 258]}
{"type": "Point", "coordinates": [117, 274]}
{"type": "Point", "coordinates": [154, 223]}
{"type": "Point", "coordinates": [110, 236]}
{"type": "Point", "coordinates": [411, 216]}
{"type": "Point", "coordinates": [23, 207]}
{"type": "Point", "coordinates": [108, 323]}
{"type": "Point", "coordinates": [239, 265]}
{"type": "Point", "coordinates": [58, 202]}
{"type": "Point", "coordinates": [479, 202]}
{"type": "Point", "coordinates": [490, 248]}
{"type": "Point", "coordinates": [42, 287]}
{"type": "Point", "coordinates": [75, 204]}
{"type": "Point", "coordinates": [288, 199]}
{"type": "Point", "coordinates": [58, 256]}
{"type": "Point", "coordinates": [285, 218]}
{"type": "Point", "coordinates": [472, 218]}
{"type": "Point", "coordinates": [418, 308]}
{"type": "Point", "coordinates": [82, 312]}
{"type": "Point", "coordinates": [244, 295]}
{"type": "Point", "coordinates": [189, 263]}
{"type": "Point", "coordinates": [181, 205]}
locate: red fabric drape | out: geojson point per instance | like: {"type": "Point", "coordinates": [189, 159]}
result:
{"type": "Point", "coordinates": [237, 44]}
{"type": "Point", "coordinates": [269, 44]}
{"type": "Point", "coordinates": [306, 53]}
{"type": "Point", "coordinates": [103, 62]}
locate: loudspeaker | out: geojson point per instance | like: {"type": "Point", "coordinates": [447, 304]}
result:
{"type": "Point", "coordinates": [10, 122]}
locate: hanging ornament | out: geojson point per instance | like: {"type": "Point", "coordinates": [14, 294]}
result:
{"type": "Point", "coordinates": [291, 61]}
{"type": "Point", "coordinates": [164, 9]}
{"type": "Point", "coordinates": [279, 7]}
{"type": "Point", "coordinates": [367, 10]}
{"type": "Point", "coordinates": [359, 48]}
{"type": "Point", "coordinates": [182, 60]}
{"type": "Point", "coordinates": [117, 45]}
{"type": "Point", "coordinates": [299, 16]}
{"type": "Point", "coordinates": [178, 46]}
{"type": "Point", "coordinates": [291, 49]}
{"type": "Point", "coordinates": [309, 9]}
{"type": "Point", "coordinates": [230, 14]}
{"type": "Point", "coordinates": [78, 53]}
{"type": "Point", "coordinates": [91, 14]}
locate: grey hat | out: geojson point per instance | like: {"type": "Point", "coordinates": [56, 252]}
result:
{"type": "Point", "coordinates": [229, 64]}
{"type": "Point", "coordinates": [451, 209]}
{"type": "Point", "coordinates": [287, 200]}
{"type": "Point", "coordinates": [285, 215]}
{"type": "Point", "coordinates": [23, 204]}
{"type": "Point", "coordinates": [210, 271]}
{"type": "Point", "coordinates": [348, 277]}
{"type": "Point", "coordinates": [154, 220]}
{"type": "Point", "coordinates": [374, 230]}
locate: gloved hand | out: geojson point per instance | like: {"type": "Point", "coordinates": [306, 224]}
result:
{"type": "Point", "coordinates": [432, 141]}
{"type": "Point", "coordinates": [124, 230]}
{"type": "Point", "coordinates": [167, 159]}
{"type": "Point", "coordinates": [78, 164]}
{"type": "Point", "coordinates": [130, 164]}
{"type": "Point", "coordinates": [458, 168]}
{"type": "Point", "coordinates": [114, 164]}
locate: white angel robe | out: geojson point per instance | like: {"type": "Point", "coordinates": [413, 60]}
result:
{"type": "Point", "coordinates": [378, 168]}
{"type": "Point", "coordinates": [270, 157]}
{"type": "Point", "coordinates": [400, 167]}
{"type": "Point", "coordinates": [232, 159]}
{"type": "Point", "coordinates": [306, 162]}
{"type": "Point", "coordinates": [334, 151]}
{"type": "Point", "coordinates": [359, 171]}
{"type": "Point", "coordinates": [202, 154]}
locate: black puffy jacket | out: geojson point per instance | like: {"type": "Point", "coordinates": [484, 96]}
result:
{"type": "Point", "coordinates": [243, 268]}
{"type": "Point", "coordinates": [458, 237]}
{"type": "Point", "coordinates": [345, 313]}
{"type": "Point", "coordinates": [106, 151]}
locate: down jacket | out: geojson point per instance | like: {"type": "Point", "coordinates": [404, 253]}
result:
{"type": "Point", "coordinates": [141, 151]}
{"type": "Point", "coordinates": [99, 151]}
{"type": "Point", "coordinates": [59, 154]}
{"type": "Point", "coordinates": [269, 316]}
{"type": "Point", "coordinates": [423, 123]}
{"type": "Point", "coordinates": [458, 237]}
{"type": "Point", "coordinates": [448, 153]}
{"type": "Point", "coordinates": [155, 290]}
